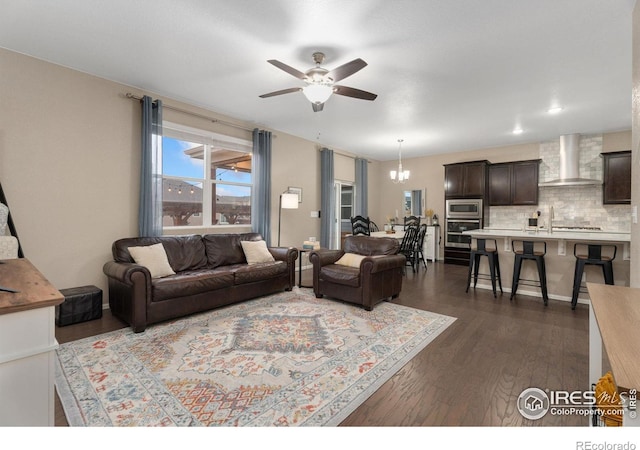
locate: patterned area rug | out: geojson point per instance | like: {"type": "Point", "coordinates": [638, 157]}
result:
{"type": "Point", "coordinates": [282, 360]}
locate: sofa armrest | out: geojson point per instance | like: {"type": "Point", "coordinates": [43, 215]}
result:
{"type": "Point", "coordinates": [320, 258]}
{"type": "Point", "coordinates": [381, 277]}
{"type": "Point", "coordinates": [324, 257]}
{"type": "Point", "coordinates": [380, 263]}
{"type": "Point", "coordinates": [123, 272]}
{"type": "Point", "coordinates": [129, 292]}
{"type": "Point", "coordinates": [289, 256]}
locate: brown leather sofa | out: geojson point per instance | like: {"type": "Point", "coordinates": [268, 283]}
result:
{"type": "Point", "coordinates": [378, 276]}
{"type": "Point", "coordinates": [211, 271]}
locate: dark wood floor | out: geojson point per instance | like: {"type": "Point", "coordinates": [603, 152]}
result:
{"type": "Point", "coordinates": [473, 373]}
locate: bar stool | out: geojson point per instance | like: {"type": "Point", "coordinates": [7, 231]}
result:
{"type": "Point", "coordinates": [474, 262]}
{"type": "Point", "coordinates": [594, 256]}
{"type": "Point", "coordinates": [528, 250]}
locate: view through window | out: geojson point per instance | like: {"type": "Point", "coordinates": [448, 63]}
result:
{"type": "Point", "coordinates": [207, 180]}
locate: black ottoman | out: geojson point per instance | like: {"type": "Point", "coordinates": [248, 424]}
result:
{"type": "Point", "coordinates": [80, 304]}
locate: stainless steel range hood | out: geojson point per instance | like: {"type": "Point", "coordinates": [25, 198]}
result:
{"type": "Point", "coordinates": [570, 164]}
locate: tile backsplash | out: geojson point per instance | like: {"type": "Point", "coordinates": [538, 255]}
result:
{"type": "Point", "coordinates": [590, 159]}
{"type": "Point", "coordinates": [573, 205]}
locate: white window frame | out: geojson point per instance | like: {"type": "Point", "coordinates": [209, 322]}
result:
{"type": "Point", "coordinates": [210, 140]}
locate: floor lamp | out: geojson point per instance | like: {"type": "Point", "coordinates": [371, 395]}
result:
{"type": "Point", "coordinates": [287, 201]}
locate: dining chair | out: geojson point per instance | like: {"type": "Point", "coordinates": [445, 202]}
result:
{"type": "Point", "coordinates": [373, 227]}
{"type": "Point", "coordinates": [418, 252]}
{"type": "Point", "coordinates": [411, 221]}
{"type": "Point", "coordinates": [407, 246]}
{"type": "Point", "coordinates": [360, 226]}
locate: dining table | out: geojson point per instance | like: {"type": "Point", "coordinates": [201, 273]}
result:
{"type": "Point", "coordinates": [398, 234]}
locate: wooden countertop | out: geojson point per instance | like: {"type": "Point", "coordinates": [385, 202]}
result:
{"type": "Point", "coordinates": [596, 236]}
{"type": "Point", "coordinates": [617, 311]}
{"type": "Point", "coordinates": [34, 290]}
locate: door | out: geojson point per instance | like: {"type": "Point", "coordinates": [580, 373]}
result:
{"type": "Point", "coordinates": [345, 198]}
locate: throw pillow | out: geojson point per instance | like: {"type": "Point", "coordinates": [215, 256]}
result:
{"type": "Point", "coordinates": [154, 258]}
{"type": "Point", "coordinates": [256, 252]}
{"type": "Point", "coordinates": [351, 260]}
{"type": "Point", "coordinates": [4, 218]}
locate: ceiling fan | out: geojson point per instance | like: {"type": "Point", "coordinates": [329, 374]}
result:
{"type": "Point", "coordinates": [320, 81]}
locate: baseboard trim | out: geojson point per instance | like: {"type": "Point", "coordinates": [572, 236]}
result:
{"type": "Point", "coordinates": [562, 298]}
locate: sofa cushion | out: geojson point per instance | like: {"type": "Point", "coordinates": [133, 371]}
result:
{"type": "Point", "coordinates": [256, 252]}
{"type": "Point", "coordinates": [334, 273]}
{"type": "Point", "coordinates": [225, 249]}
{"type": "Point", "coordinates": [368, 246]}
{"type": "Point", "coordinates": [183, 252]}
{"type": "Point", "coordinates": [188, 283]}
{"type": "Point", "coordinates": [154, 258]}
{"type": "Point", "coordinates": [258, 272]}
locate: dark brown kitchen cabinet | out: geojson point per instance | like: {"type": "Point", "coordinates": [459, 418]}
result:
{"type": "Point", "coordinates": [616, 179]}
{"type": "Point", "coordinates": [466, 179]}
{"type": "Point", "coordinates": [514, 183]}
{"type": "Point", "coordinates": [454, 180]}
{"type": "Point", "coordinates": [524, 182]}
{"type": "Point", "coordinates": [500, 184]}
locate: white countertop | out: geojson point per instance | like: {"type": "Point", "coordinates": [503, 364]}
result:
{"type": "Point", "coordinates": [573, 235]}
{"type": "Point", "coordinates": [399, 234]}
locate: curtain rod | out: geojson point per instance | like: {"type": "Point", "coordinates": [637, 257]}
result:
{"type": "Point", "coordinates": [201, 116]}
{"type": "Point", "coordinates": [345, 154]}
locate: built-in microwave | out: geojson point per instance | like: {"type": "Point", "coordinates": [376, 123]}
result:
{"type": "Point", "coordinates": [464, 208]}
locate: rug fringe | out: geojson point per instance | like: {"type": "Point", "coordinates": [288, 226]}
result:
{"type": "Point", "coordinates": [69, 405]}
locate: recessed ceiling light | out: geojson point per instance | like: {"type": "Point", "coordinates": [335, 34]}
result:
{"type": "Point", "coordinates": [518, 130]}
{"type": "Point", "coordinates": [554, 109]}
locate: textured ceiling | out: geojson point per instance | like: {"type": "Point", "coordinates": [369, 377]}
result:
{"type": "Point", "coordinates": [450, 75]}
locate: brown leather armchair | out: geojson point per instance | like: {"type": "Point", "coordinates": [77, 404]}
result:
{"type": "Point", "coordinates": [377, 277]}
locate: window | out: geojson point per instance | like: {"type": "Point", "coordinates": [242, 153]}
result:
{"type": "Point", "coordinates": [206, 177]}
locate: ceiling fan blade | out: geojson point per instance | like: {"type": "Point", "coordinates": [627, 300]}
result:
{"type": "Point", "coordinates": [353, 92]}
{"type": "Point", "coordinates": [283, 91]}
{"type": "Point", "coordinates": [348, 69]}
{"type": "Point", "coordinates": [317, 107]}
{"type": "Point", "coordinates": [290, 70]}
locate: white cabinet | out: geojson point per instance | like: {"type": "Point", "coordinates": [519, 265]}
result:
{"type": "Point", "coordinates": [27, 345]}
{"type": "Point", "coordinates": [27, 357]}
{"type": "Point", "coordinates": [431, 245]}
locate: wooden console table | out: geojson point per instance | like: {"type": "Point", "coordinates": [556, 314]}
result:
{"type": "Point", "coordinates": [614, 315]}
{"type": "Point", "coordinates": [27, 345]}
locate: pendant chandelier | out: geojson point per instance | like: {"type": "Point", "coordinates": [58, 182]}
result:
{"type": "Point", "coordinates": [399, 176]}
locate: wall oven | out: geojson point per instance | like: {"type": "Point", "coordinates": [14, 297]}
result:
{"type": "Point", "coordinates": [462, 215]}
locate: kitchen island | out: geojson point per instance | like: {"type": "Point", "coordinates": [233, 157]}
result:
{"type": "Point", "coordinates": [559, 260]}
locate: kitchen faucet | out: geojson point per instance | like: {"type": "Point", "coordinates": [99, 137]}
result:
{"type": "Point", "coordinates": [551, 219]}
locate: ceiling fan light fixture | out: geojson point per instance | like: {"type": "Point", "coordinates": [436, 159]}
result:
{"type": "Point", "coordinates": [317, 93]}
{"type": "Point", "coordinates": [320, 81]}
